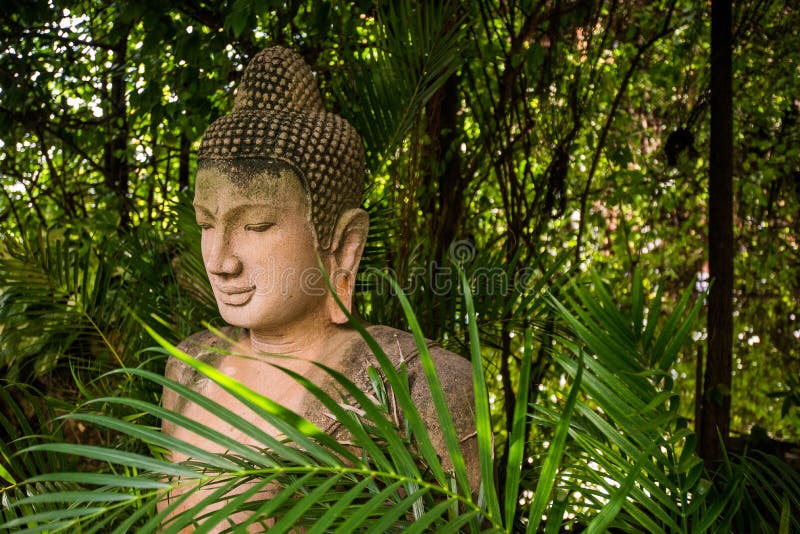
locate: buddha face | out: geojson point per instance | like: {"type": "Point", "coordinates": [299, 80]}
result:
{"type": "Point", "coordinates": [259, 249]}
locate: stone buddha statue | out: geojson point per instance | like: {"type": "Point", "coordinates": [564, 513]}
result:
{"type": "Point", "coordinates": [278, 189]}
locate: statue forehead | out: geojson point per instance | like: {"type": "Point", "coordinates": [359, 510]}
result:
{"type": "Point", "coordinates": [276, 183]}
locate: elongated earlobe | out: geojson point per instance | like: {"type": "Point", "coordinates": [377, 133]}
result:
{"type": "Point", "coordinates": [347, 245]}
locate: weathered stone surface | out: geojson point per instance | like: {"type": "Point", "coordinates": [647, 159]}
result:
{"type": "Point", "coordinates": [277, 193]}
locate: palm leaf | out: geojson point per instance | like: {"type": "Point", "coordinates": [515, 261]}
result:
{"type": "Point", "coordinates": [516, 449]}
{"type": "Point", "coordinates": [388, 490]}
{"type": "Point", "coordinates": [547, 478]}
{"type": "Point", "coordinates": [417, 48]}
{"type": "Point", "coordinates": [629, 445]}
{"type": "Point", "coordinates": [27, 419]}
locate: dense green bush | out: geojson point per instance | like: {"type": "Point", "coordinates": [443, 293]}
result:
{"type": "Point", "coordinates": [611, 451]}
{"type": "Point", "coordinates": [531, 140]}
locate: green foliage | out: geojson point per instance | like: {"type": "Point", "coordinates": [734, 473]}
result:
{"type": "Point", "coordinates": [628, 361]}
{"type": "Point", "coordinates": [525, 142]}
{"type": "Point", "coordinates": [527, 129]}
{"type": "Point", "coordinates": [416, 49]}
{"type": "Point", "coordinates": [620, 455]}
{"type": "Point", "coordinates": [387, 482]}
{"type": "Point", "coordinates": [67, 297]}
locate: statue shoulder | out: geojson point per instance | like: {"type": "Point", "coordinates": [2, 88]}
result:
{"type": "Point", "coordinates": [455, 376]}
{"type": "Point", "coordinates": [204, 346]}
{"type": "Point", "coordinates": [400, 346]}
{"type": "Point", "coordinates": [454, 372]}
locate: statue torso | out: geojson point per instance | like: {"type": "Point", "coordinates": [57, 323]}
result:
{"type": "Point", "coordinates": [350, 356]}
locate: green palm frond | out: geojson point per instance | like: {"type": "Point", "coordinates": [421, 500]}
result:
{"type": "Point", "coordinates": [311, 479]}
{"type": "Point", "coordinates": [633, 462]}
{"type": "Point", "coordinates": [756, 491]}
{"type": "Point", "coordinates": [50, 291]}
{"type": "Point", "coordinates": [418, 46]}
{"type": "Point", "coordinates": [65, 295]}
{"type": "Point", "coordinates": [318, 481]}
{"type": "Point", "coordinates": [27, 418]}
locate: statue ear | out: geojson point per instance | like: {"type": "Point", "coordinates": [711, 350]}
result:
{"type": "Point", "coordinates": [344, 255]}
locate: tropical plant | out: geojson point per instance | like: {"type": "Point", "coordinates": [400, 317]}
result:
{"type": "Point", "coordinates": [67, 295]}
{"type": "Point", "coordinates": [321, 480]}
{"type": "Point", "coordinates": [27, 419]}
{"type": "Point", "coordinates": [487, 108]}
{"type": "Point", "coordinates": [619, 455]}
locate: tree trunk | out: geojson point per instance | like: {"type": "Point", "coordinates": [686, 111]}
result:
{"type": "Point", "coordinates": [116, 148]}
{"type": "Point", "coordinates": [183, 164]}
{"type": "Point", "coordinates": [451, 181]}
{"type": "Point", "coordinates": [716, 401]}
{"type": "Point", "coordinates": [442, 187]}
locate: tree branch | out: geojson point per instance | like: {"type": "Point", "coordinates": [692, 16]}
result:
{"type": "Point", "coordinates": [640, 52]}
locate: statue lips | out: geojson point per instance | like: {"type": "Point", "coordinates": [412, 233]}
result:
{"type": "Point", "coordinates": [236, 296]}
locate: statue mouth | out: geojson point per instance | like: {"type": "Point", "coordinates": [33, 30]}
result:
{"type": "Point", "coordinates": [236, 296]}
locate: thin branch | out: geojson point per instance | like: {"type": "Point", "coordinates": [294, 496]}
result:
{"type": "Point", "coordinates": [640, 52]}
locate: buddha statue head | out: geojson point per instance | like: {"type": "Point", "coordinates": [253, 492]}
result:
{"type": "Point", "coordinates": [278, 190]}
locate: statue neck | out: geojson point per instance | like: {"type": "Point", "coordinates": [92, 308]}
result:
{"type": "Point", "coordinates": [307, 341]}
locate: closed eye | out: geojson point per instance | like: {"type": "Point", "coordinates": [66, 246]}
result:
{"type": "Point", "coordinates": [261, 227]}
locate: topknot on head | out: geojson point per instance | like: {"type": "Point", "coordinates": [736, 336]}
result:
{"type": "Point", "coordinates": [278, 115]}
{"type": "Point", "coordinates": [278, 79]}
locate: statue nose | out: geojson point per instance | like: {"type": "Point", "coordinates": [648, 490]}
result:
{"type": "Point", "coordinates": [221, 259]}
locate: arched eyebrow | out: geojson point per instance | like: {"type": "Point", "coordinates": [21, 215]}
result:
{"type": "Point", "coordinates": [199, 207]}
{"type": "Point", "coordinates": [264, 207]}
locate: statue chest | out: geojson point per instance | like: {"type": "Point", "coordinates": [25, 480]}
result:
{"type": "Point", "coordinates": [257, 376]}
